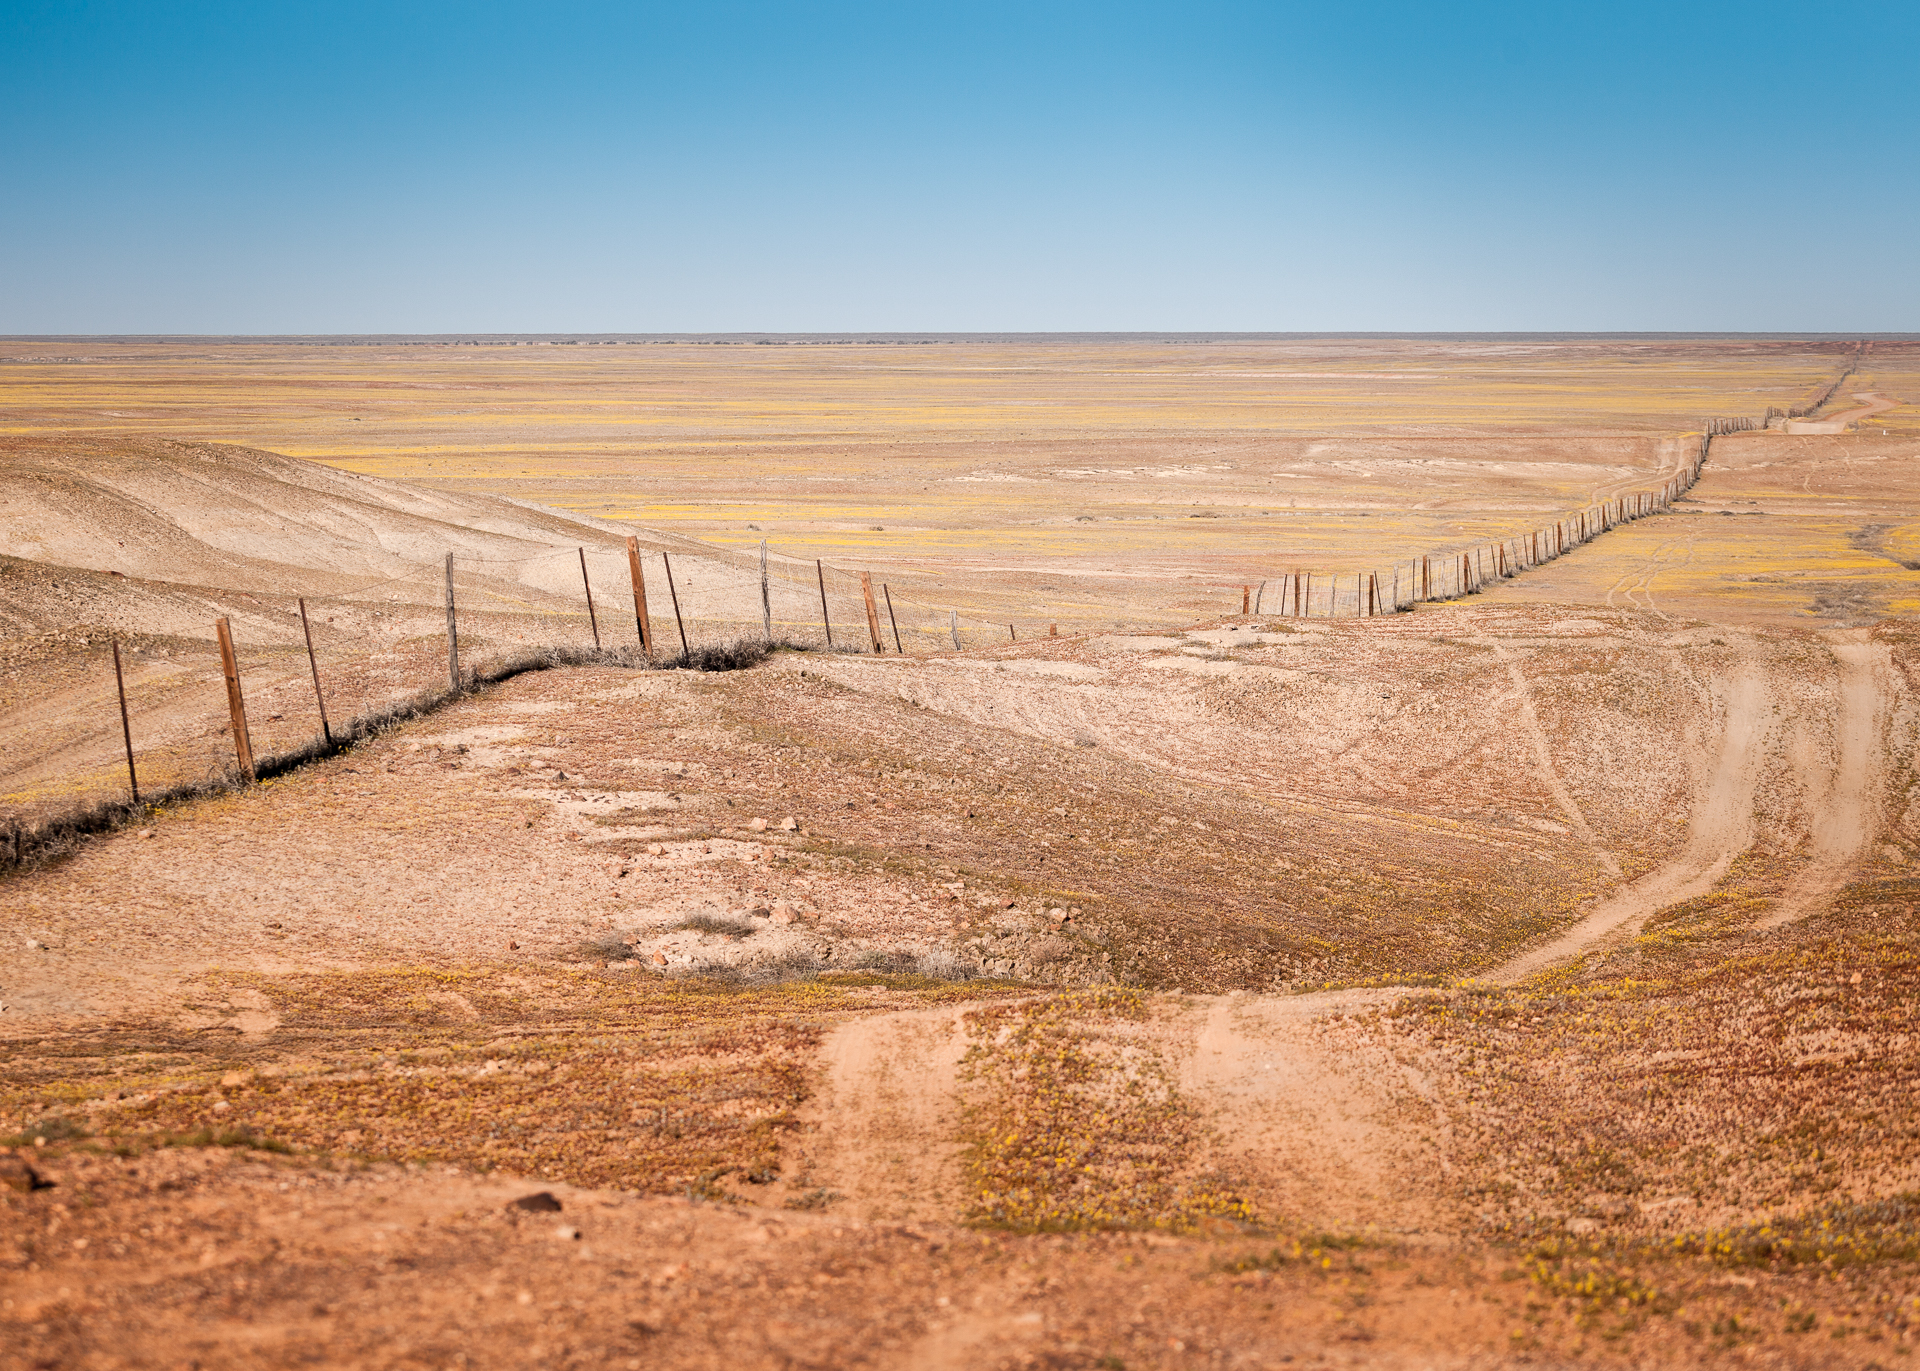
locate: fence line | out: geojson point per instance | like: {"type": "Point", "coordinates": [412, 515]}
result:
{"type": "Point", "coordinates": [1455, 573]}
{"type": "Point", "coordinates": [367, 652]}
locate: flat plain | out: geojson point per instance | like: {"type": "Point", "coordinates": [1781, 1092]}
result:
{"type": "Point", "coordinates": [1521, 979]}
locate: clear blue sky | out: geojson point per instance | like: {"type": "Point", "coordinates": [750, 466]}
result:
{"type": "Point", "coordinates": [324, 167]}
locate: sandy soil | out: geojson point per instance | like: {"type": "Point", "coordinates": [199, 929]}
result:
{"type": "Point", "coordinates": [1520, 981]}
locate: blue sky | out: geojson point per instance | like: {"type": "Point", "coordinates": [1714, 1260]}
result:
{"type": "Point", "coordinates": [322, 167]}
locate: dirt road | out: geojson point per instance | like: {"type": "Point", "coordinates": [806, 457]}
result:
{"type": "Point", "coordinates": [1720, 829]}
{"type": "Point", "coordinates": [1847, 816]}
{"type": "Point", "coordinates": [1871, 403]}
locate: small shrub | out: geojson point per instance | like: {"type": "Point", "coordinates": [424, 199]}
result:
{"type": "Point", "coordinates": [610, 945]}
{"type": "Point", "coordinates": [732, 925]}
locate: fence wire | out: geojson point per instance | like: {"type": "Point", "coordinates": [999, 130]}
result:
{"type": "Point", "coordinates": [385, 640]}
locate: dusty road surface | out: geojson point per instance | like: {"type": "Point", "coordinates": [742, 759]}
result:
{"type": "Point", "coordinates": [1522, 981]}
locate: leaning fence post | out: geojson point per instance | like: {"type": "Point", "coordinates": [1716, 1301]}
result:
{"type": "Point", "coordinates": [873, 610]}
{"type": "Point", "coordinates": [826, 623]}
{"type": "Point", "coordinates": [686, 653]}
{"type": "Point", "coordinates": [953, 627]}
{"type": "Point", "coordinates": [893, 622]}
{"type": "Point", "coordinates": [126, 728]}
{"type": "Point", "coordinates": [766, 595]}
{"type": "Point", "coordinates": [640, 596]}
{"type": "Point", "coordinates": [314, 666]}
{"type": "Point", "coordinates": [592, 618]}
{"type": "Point", "coordinates": [453, 632]}
{"type": "Point", "coordinates": [236, 707]}
{"type": "Point", "coordinates": [1011, 635]}
{"type": "Point", "coordinates": [1259, 591]}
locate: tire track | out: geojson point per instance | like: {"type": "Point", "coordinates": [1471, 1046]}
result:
{"type": "Point", "coordinates": [1721, 828]}
{"type": "Point", "coordinates": [1847, 816]}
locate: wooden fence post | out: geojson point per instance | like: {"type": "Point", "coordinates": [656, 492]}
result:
{"type": "Point", "coordinates": [891, 621]}
{"type": "Point", "coordinates": [826, 623]}
{"type": "Point", "coordinates": [873, 610]}
{"type": "Point", "coordinates": [953, 627]}
{"type": "Point", "coordinates": [1011, 635]}
{"type": "Point", "coordinates": [766, 595]}
{"type": "Point", "coordinates": [592, 618]}
{"type": "Point", "coordinates": [640, 621]}
{"type": "Point", "coordinates": [126, 728]}
{"type": "Point", "coordinates": [313, 665]}
{"type": "Point", "coordinates": [686, 653]}
{"type": "Point", "coordinates": [1259, 591]}
{"type": "Point", "coordinates": [453, 632]}
{"type": "Point", "coordinates": [1246, 600]}
{"type": "Point", "coordinates": [236, 707]}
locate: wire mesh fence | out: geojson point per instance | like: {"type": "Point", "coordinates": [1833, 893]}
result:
{"type": "Point", "coordinates": [316, 667]}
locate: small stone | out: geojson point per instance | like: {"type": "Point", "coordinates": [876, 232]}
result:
{"type": "Point", "coordinates": [567, 1233]}
{"type": "Point", "coordinates": [789, 825]}
{"type": "Point", "coordinates": [233, 1078]}
{"type": "Point", "coordinates": [221, 1106]}
{"type": "Point", "coordinates": [1855, 979]}
{"type": "Point", "coordinates": [512, 946]}
{"type": "Point", "coordinates": [656, 850]}
{"type": "Point", "coordinates": [783, 914]}
{"type": "Point", "coordinates": [15, 1174]}
{"type": "Point", "coordinates": [1582, 1225]}
{"type": "Point", "coordinates": [146, 833]}
{"type": "Point", "coordinates": [757, 825]}
{"type": "Point", "coordinates": [540, 1202]}
{"type": "Point", "coordinates": [659, 959]}
{"type": "Point", "coordinates": [1059, 916]}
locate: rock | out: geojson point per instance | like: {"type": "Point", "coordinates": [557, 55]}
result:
{"type": "Point", "coordinates": [1059, 916]}
{"type": "Point", "coordinates": [656, 850]}
{"type": "Point", "coordinates": [757, 825]}
{"type": "Point", "coordinates": [659, 959]}
{"type": "Point", "coordinates": [1583, 1225]}
{"type": "Point", "coordinates": [567, 1233]}
{"type": "Point", "coordinates": [512, 946]}
{"type": "Point", "coordinates": [783, 914]}
{"type": "Point", "coordinates": [789, 825]}
{"type": "Point", "coordinates": [233, 1078]}
{"type": "Point", "coordinates": [15, 1174]}
{"type": "Point", "coordinates": [540, 1202]}
{"type": "Point", "coordinates": [146, 833]}
{"type": "Point", "coordinates": [221, 1106]}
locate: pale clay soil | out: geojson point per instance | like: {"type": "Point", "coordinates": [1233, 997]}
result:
{"type": "Point", "coordinates": [1481, 789]}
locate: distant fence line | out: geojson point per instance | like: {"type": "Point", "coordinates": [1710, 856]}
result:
{"type": "Point", "coordinates": [1465, 571]}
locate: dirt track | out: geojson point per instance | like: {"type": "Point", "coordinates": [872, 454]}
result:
{"type": "Point", "coordinates": [1870, 405]}
{"type": "Point", "coordinates": [536, 941]}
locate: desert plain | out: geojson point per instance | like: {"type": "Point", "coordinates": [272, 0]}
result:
{"type": "Point", "coordinates": [1116, 969]}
